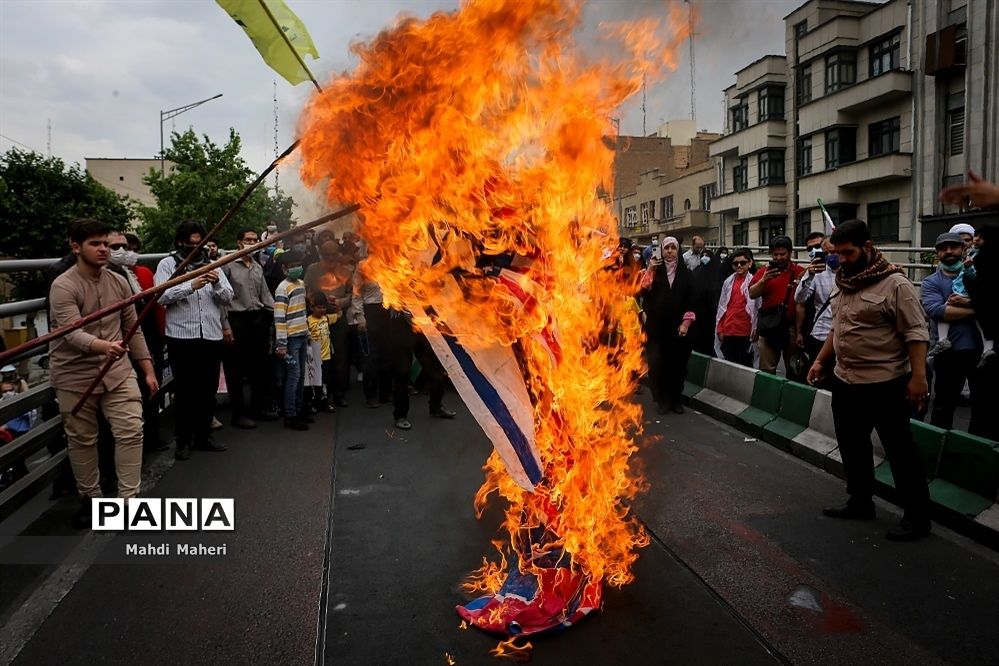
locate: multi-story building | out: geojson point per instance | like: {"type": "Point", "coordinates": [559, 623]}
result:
{"type": "Point", "coordinates": [124, 175]}
{"type": "Point", "coordinates": [664, 182]}
{"type": "Point", "coordinates": [956, 45]}
{"type": "Point", "coordinates": [751, 158]}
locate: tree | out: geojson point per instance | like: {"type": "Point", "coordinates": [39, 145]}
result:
{"type": "Point", "coordinates": [205, 181]}
{"type": "Point", "coordinates": [39, 196]}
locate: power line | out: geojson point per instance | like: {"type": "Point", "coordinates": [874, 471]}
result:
{"type": "Point", "coordinates": [23, 145]}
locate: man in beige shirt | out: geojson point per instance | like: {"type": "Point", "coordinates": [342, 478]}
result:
{"type": "Point", "coordinates": [76, 358]}
{"type": "Point", "coordinates": [879, 337]}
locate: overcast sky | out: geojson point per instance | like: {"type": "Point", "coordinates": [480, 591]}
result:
{"type": "Point", "coordinates": [101, 71]}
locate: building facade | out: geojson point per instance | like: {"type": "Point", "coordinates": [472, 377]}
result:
{"type": "Point", "coordinates": [124, 175]}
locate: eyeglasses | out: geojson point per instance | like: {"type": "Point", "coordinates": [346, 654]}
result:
{"type": "Point", "coordinates": [118, 246]}
{"type": "Point", "coordinates": [740, 263]}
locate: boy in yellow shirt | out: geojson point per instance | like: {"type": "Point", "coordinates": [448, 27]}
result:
{"type": "Point", "coordinates": [319, 322]}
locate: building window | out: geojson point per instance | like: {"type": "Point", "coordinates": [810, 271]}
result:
{"type": "Point", "coordinates": [686, 204]}
{"type": "Point", "coordinates": [805, 156]}
{"type": "Point", "coordinates": [884, 136]}
{"type": "Point", "coordinates": [740, 175]}
{"type": "Point", "coordinates": [770, 228]}
{"type": "Point", "coordinates": [885, 54]}
{"type": "Point", "coordinates": [882, 219]}
{"type": "Point", "coordinates": [771, 163]}
{"type": "Point", "coordinates": [707, 194]}
{"type": "Point", "coordinates": [803, 85]}
{"type": "Point", "coordinates": [666, 207]}
{"type": "Point", "coordinates": [771, 103]}
{"type": "Point", "coordinates": [645, 214]}
{"type": "Point", "coordinates": [955, 123]}
{"type": "Point", "coordinates": [841, 146]}
{"type": "Point", "coordinates": [800, 29]}
{"type": "Point", "coordinates": [841, 70]}
{"type": "Point", "coordinates": [652, 209]}
{"type": "Point", "coordinates": [740, 234]}
{"type": "Point", "coordinates": [740, 116]}
{"type": "Point", "coordinates": [842, 212]}
{"type": "Point", "coordinates": [631, 217]}
{"type": "Point", "coordinates": [802, 226]}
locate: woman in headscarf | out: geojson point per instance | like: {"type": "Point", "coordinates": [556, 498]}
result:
{"type": "Point", "coordinates": [669, 311]}
{"type": "Point", "coordinates": [735, 319]}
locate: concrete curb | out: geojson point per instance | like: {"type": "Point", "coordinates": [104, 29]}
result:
{"type": "Point", "coordinates": [962, 469]}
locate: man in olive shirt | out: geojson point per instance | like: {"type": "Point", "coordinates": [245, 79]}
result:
{"type": "Point", "coordinates": [879, 338]}
{"type": "Point", "coordinates": [76, 358]}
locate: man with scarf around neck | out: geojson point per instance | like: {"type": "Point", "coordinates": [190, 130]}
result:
{"type": "Point", "coordinates": [669, 311]}
{"type": "Point", "coordinates": [879, 339]}
{"type": "Point", "coordinates": [958, 363]}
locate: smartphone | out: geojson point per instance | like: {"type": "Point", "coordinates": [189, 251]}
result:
{"type": "Point", "coordinates": [657, 250]}
{"type": "Point", "coordinates": [817, 254]}
{"type": "Point", "coordinates": [773, 266]}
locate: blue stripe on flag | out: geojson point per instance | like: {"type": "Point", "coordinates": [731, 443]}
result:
{"type": "Point", "coordinates": [494, 403]}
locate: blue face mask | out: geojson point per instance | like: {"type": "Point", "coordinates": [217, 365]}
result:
{"type": "Point", "coordinates": [954, 266]}
{"type": "Point", "coordinates": [705, 260]}
{"type": "Point", "coordinates": [832, 261]}
{"type": "Point", "coordinates": [270, 248]}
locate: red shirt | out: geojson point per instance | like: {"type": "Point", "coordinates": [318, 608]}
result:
{"type": "Point", "coordinates": [777, 289]}
{"type": "Point", "coordinates": [736, 322]}
{"type": "Point", "coordinates": [145, 278]}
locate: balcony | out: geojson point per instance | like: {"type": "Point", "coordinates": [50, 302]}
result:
{"type": "Point", "coordinates": [754, 202]}
{"type": "Point", "coordinates": [838, 32]}
{"type": "Point", "coordinates": [874, 170]}
{"type": "Point", "coordinates": [768, 134]}
{"type": "Point", "coordinates": [842, 107]}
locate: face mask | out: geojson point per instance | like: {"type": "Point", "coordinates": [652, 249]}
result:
{"type": "Point", "coordinates": [7, 395]}
{"type": "Point", "coordinates": [723, 255]}
{"type": "Point", "coordinates": [298, 247]}
{"type": "Point", "coordinates": [118, 257]}
{"type": "Point", "coordinates": [295, 273]}
{"type": "Point", "coordinates": [952, 267]}
{"type": "Point", "coordinates": [705, 260]}
{"type": "Point", "coordinates": [832, 261]}
{"type": "Point", "coordinates": [270, 248]}
{"type": "Point", "coordinates": [272, 228]}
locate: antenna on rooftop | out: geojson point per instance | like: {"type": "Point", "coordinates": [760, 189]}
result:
{"type": "Point", "coordinates": [690, 23]}
{"type": "Point", "coordinates": [48, 143]}
{"type": "Point", "coordinates": [643, 104]}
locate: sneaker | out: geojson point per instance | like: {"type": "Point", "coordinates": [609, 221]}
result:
{"type": "Point", "coordinates": [909, 530]}
{"type": "Point", "coordinates": [244, 423]}
{"type": "Point", "coordinates": [183, 452]}
{"type": "Point", "coordinates": [443, 413]}
{"type": "Point", "coordinates": [216, 424]}
{"type": "Point", "coordinates": [403, 424]}
{"type": "Point", "coordinates": [294, 423]}
{"type": "Point", "coordinates": [986, 356]}
{"type": "Point", "coordinates": [940, 347]}
{"type": "Point", "coordinates": [850, 511]}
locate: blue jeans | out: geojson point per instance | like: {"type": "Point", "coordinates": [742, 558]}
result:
{"type": "Point", "coordinates": [294, 381]}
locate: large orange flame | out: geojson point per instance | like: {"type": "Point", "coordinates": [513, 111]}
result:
{"type": "Point", "coordinates": [482, 131]}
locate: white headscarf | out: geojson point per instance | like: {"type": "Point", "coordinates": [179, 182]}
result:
{"type": "Point", "coordinates": [669, 240]}
{"type": "Point", "coordinates": [963, 228]}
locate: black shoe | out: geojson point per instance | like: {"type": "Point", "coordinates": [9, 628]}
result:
{"type": "Point", "coordinates": [82, 519]}
{"type": "Point", "coordinates": [295, 424]}
{"type": "Point", "coordinates": [330, 408]}
{"type": "Point", "coordinates": [183, 452]}
{"type": "Point", "coordinates": [909, 530]}
{"type": "Point", "coordinates": [443, 413]}
{"type": "Point", "coordinates": [211, 445]}
{"type": "Point", "coordinates": [340, 402]}
{"type": "Point", "coordinates": [373, 404]}
{"type": "Point", "coordinates": [268, 415]}
{"type": "Point", "coordinates": [307, 418]}
{"type": "Point", "coordinates": [850, 511]}
{"type": "Point", "coordinates": [662, 408]}
{"type": "Point", "coordinates": [244, 423]}
{"type": "Point", "coordinates": [677, 408]}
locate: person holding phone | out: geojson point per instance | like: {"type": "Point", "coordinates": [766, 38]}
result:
{"type": "Point", "coordinates": [775, 324]}
{"type": "Point", "coordinates": [669, 311]}
{"type": "Point", "coordinates": [814, 300]}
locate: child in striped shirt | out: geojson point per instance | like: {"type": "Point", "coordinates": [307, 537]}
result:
{"type": "Point", "coordinates": [291, 332]}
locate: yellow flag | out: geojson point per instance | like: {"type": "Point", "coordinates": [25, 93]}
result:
{"type": "Point", "coordinates": [277, 33]}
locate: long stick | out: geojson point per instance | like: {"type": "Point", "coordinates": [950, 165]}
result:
{"type": "Point", "coordinates": [152, 291]}
{"type": "Point", "coordinates": [229, 258]}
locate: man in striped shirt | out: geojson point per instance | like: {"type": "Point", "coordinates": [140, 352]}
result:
{"type": "Point", "coordinates": [291, 334]}
{"type": "Point", "coordinates": [194, 340]}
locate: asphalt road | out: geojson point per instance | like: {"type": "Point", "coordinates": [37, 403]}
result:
{"type": "Point", "coordinates": [351, 542]}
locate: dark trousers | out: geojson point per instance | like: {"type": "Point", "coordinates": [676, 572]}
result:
{"type": "Point", "coordinates": [857, 410]}
{"type": "Point", "coordinates": [377, 364]}
{"type": "Point", "coordinates": [952, 369]}
{"type": "Point", "coordinates": [401, 340]}
{"type": "Point", "coordinates": [984, 401]}
{"type": "Point", "coordinates": [667, 358]}
{"type": "Point", "coordinates": [320, 396]}
{"type": "Point", "coordinates": [195, 365]}
{"type": "Point", "coordinates": [812, 348]}
{"type": "Point", "coordinates": [246, 359]}
{"type": "Point", "coordinates": [431, 371]}
{"type": "Point", "coordinates": [341, 359]}
{"type": "Point", "coordinates": [737, 350]}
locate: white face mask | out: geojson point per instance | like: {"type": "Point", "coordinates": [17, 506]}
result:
{"type": "Point", "coordinates": [7, 395]}
{"type": "Point", "coordinates": [123, 257]}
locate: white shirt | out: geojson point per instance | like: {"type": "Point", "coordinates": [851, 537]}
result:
{"type": "Point", "coordinates": [192, 314]}
{"type": "Point", "coordinates": [818, 287]}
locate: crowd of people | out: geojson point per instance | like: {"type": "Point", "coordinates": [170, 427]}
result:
{"type": "Point", "coordinates": [285, 332]}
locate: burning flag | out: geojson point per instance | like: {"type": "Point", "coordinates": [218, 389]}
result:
{"type": "Point", "coordinates": [476, 143]}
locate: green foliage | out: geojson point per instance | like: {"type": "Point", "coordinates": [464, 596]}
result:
{"type": "Point", "coordinates": [39, 196]}
{"type": "Point", "coordinates": [206, 180]}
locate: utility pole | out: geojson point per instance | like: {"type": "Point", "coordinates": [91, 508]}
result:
{"type": "Point", "coordinates": [690, 24]}
{"type": "Point", "coordinates": [643, 104]}
{"type": "Point", "coordinates": [48, 143]}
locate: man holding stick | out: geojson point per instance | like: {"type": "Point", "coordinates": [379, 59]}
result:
{"type": "Point", "coordinates": [76, 358]}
